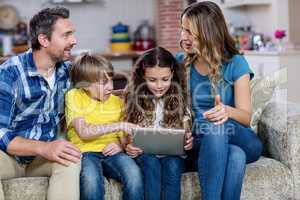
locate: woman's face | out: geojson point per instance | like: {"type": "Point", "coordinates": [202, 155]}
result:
{"type": "Point", "coordinates": [158, 80]}
{"type": "Point", "coordinates": [186, 36]}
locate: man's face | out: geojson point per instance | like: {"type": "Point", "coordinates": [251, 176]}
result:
{"type": "Point", "coordinates": [62, 40]}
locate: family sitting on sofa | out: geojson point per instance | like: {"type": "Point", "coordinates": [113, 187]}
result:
{"type": "Point", "coordinates": [204, 90]}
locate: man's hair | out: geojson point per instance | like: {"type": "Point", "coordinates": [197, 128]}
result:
{"type": "Point", "coordinates": [43, 22]}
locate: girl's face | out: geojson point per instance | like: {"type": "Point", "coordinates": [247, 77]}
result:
{"type": "Point", "coordinates": [158, 80]}
{"type": "Point", "coordinates": [101, 90]}
{"type": "Point", "coordinates": [186, 36]}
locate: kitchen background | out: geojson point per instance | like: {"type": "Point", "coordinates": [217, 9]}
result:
{"type": "Point", "coordinates": [248, 20]}
{"type": "Point", "coordinates": [266, 31]}
{"type": "Point", "coordinates": [92, 20]}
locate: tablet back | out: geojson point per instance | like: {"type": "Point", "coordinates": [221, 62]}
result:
{"type": "Point", "coordinates": [160, 141]}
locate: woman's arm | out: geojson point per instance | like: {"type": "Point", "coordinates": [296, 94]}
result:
{"type": "Point", "coordinates": [242, 97]}
{"type": "Point", "coordinates": [88, 131]}
{"type": "Point", "coordinates": [242, 110]}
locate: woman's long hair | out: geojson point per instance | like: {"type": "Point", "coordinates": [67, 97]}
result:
{"type": "Point", "coordinates": [140, 102]}
{"type": "Point", "coordinates": [213, 43]}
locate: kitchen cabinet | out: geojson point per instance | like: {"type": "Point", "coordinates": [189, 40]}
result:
{"type": "Point", "coordinates": [263, 63]}
{"type": "Point", "coordinates": [265, 17]}
{"type": "Point", "coordinates": [266, 64]}
{"type": "Point", "coordinates": [72, 1]}
{"type": "Point", "coordinates": [241, 3]}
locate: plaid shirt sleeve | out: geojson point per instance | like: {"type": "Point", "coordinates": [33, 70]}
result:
{"type": "Point", "coordinates": [7, 103]}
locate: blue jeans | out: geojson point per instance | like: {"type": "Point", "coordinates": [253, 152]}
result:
{"type": "Point", "coordinates": [120, 167]}
{"type": "Point", "coordinates": [220, 154]}
{"type": "Point", "coordinates": [162, 176]}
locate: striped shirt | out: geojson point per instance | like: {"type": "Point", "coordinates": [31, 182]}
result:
{"type": "Point", "coordinates": [29, 108]}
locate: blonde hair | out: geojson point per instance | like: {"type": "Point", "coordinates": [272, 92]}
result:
{"type": "Point", "coordinates": [213, 43]}
{"type": "Point", "coordinates": [90, 68]}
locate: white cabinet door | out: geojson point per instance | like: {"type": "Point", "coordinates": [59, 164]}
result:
{"type": "Point", "coordinates": [263, 65]}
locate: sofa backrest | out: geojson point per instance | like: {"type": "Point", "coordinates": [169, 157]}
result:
{"type": "Point", "coordinates": [262, 92]}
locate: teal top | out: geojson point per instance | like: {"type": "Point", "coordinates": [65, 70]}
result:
{"type": "Point", "coordinates": [200, 85]}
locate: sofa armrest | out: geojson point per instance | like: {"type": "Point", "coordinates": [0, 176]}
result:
{"type": "Point", "coordinates": [279, 128]}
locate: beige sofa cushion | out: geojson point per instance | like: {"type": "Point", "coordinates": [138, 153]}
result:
{"type": "Point", "coordinates": [262, 92]}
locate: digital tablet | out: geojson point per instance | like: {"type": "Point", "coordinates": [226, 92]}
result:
{"type": "Point", "coordinates": [160, 141]}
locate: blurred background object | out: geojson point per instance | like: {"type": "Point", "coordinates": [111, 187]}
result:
{"type": "Point", "coordinates": [9, 17]}
{"type": "Point", "coordinates": [13, 31]}
{"type": "Point", "coordinates": [144, 37]}
{"type": "Point", "coordinates": [120, 40]}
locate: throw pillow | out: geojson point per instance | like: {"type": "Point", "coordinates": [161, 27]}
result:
{"type": "Point", "coordinates": [262, 91]}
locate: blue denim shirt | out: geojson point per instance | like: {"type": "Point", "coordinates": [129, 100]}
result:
{"type": "Point", "coordinates": [28, 107]}
{"type": "Point", "coordinates": [200, 85]}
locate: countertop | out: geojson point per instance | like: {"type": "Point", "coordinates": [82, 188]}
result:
{"type": "Point", "coordinates": [272, 53]}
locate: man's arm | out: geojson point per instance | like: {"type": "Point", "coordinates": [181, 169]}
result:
{"type": "Point", "coordinates": [60, 151]}
{"type": "Point", "coordinates": [7, 107]}
{"type": "Point", "coordinates": [20, 146]}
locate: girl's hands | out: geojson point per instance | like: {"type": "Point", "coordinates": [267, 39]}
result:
{"type": "Point", "coordinates": [133, 151]}
{"type": "Point", "coordinates": [112, 149]}
{"type": "Point", "coordinates": [188, 141]}
{"type": "Point", "coordinates": [218, 114]}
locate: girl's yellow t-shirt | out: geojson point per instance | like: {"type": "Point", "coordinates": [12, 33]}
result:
{"type": "Point", "coordinates": [79, 104]}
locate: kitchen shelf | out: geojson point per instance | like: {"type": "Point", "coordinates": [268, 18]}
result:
{"type": "Point", "coordinates": [73, 1]}
{"type": "Point", "coordinates": [118, 55]}
{"type": "Point", "coordinates": [243, 3]}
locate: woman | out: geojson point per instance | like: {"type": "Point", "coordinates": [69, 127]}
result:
{"type": "Point", "coordinates": [221, 101]}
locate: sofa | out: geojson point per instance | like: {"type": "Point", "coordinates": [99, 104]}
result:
{"type": "Point", "coordinates": [275, 176]}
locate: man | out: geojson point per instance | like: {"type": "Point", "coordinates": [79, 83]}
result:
{"type": "Point", "coordinates": [32, 87]}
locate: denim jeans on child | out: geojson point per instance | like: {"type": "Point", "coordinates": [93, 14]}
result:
{"type": "Point", "coordinates": [162, 176]}
{"type": "Point", "coordinates": [120, 167]}
{"type": "Point", "coordinates": [220, 154]}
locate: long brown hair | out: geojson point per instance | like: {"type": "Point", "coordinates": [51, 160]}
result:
{"type": "Point", "coordinates": [213, 43]}
{"type": "Point", "coordinates": [140, 102]}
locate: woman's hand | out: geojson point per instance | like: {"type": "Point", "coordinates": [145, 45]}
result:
{"type": "Point", "coordinates": [188, 141]}
{"type": "Point", "coordinates": [112, 149]}
{"type": "Point", "coordinates": [218, 114]}
{"type": "Point", "coordinates": [133, 151]}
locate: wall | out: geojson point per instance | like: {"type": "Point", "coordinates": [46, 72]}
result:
{"type": "Point", "coordinates": [266, 19]}
{"type": "Point", "coordinates": [294, 6]}
{"type": "Point", "coordinates": [93, 20]}
{"type": "Point", "coordinates": [237, 17]}
{"type": "Point", "coordinates": [263, 18]}
{"type": "Point", "coordinates": [168, 23]}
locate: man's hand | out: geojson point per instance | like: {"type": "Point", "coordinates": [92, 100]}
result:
{"type": "Point", "coordinates": [112, 149]}
{"type": "Point", "coordinates": [188, 141]}
{"type": "Point", "coordinates": [61, 151]}
{"type": "Point", "coordinates": [133, 151]}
